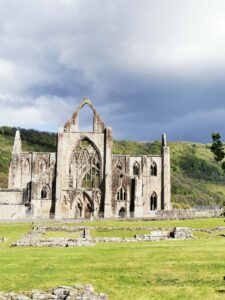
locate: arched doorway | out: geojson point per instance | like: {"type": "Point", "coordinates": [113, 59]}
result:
{"type": "Point", "coordinates": [78, 210]}
{"type": "Point", "coordinates": [88, 206]}
{"type": "Point", "coordinates": [45, 192]}
{"type": "Point", "coordinates": [132, 197]}
{"type": "Point", "coordinates": [122, 212]}
{"type": "Point", "coordinates": [153, 201]}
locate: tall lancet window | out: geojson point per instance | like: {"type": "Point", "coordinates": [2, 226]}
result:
{"type": "Point", "coordinates": [136, 169]}
{"type": "Point", "coordinates": [153, 169]}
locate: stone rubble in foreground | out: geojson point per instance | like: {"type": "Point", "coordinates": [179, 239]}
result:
{"type": "Point", "coordinates": [75, 292]}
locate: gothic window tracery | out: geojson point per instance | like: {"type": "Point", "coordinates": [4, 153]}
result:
{"type": "Point", "coordinates": [86, 164]}
{"type": "Point", "coordinates": [121, 194]}
{"type": "Point", "coordinates": [153, 169]}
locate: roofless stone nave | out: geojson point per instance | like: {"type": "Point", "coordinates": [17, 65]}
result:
{"type": "Point", "coordinates": [83, 179]}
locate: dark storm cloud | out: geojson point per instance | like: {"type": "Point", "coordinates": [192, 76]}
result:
{"type": "Point", "coordinates": [157, 66]}
{"type": "Point", "coordinates": [69, 83]}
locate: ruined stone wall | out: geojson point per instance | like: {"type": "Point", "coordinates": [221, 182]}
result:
{"type": "Point", "coordinates": [69, 185]}
{"type": "Point", "coordinates": [12, 204]}
{"type": "Point", "coordinates": [20, 170]}
{"type": "Point", "coordinates": [177, 214]}
{"type": "Point", "coordinates": [152, 184]}
{"type": "Point", "coordinates": [12, 211]}
{"type": "Point", "coordinates": [41, 209]}
{"type": "Point", "coordinates": [79, 182]}
{"type": "Point", "coordinates": [33, 175]}
{"type": "Point", "coordinates": [120, 182]}
{"type": "Point", "coordinates": [43, 175]}
{"type": "Point", "coordinates": [133, 174]}
{"type": "Point", "coordinates": [73, 199]}
{"type": "Point", "coordinates": [32, 171]}
{"type": "Point", "coordinates": [11, 196]}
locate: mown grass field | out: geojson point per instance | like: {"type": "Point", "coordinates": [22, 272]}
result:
{"type": "Point", "coordinates": [192, 269]}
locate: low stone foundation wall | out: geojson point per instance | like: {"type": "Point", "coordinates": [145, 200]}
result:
{"type": "Point", "coordinates": [54, 242]}
{"type": "Point", "coordinates": [41, 229]}
{"type": "Point", "coordinates": [75, 292]}
{"type": "Point", "coordinates": [182, 233]}
{"type": "Point", "coordinates": [35, 239]}
{"type": "Point", "coordinates": [180, 214]}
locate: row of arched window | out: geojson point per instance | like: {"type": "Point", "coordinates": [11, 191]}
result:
{"type": "Point", "coordinates": [153, 205]}
{"type": "Point", "coordinates": [136, 169]}
{"type": "Point", "coordinates": [42, 165]}
{"type": "Point", "coordinates": [122, 196]}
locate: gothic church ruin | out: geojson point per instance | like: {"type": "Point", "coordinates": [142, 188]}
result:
{"type": "Point", "coordinates": [83, 179]}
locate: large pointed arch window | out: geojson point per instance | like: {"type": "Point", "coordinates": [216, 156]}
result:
{"type": "Point", "coordinates": [86, 163]}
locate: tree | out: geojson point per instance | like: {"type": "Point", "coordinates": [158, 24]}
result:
{"type": "Point", "coordinates": [217, 149]}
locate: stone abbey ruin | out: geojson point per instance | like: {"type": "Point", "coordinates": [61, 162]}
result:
{"type": "Point", "coordinates": [83, 179]}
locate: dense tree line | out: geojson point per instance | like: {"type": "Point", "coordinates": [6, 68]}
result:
{"type": "Point", "coordinates": [31, 136]}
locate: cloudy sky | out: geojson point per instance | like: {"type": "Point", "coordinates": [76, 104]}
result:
{"type": "Point", "coordinates": [149, 66]}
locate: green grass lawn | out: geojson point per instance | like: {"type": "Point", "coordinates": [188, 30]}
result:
{"type": "Point", "coordinates": [192, 269]}
{"type": "Point", "coordinates": [198, 223]}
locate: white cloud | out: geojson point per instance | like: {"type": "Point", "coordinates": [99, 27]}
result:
{"type": "Point", "coordinates": [105, 47]}
{"type": "Point", "coordinates": [37, 112]}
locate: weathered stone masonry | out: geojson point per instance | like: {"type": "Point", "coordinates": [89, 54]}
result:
{"type": "Point", "coordinates": [83, 179]}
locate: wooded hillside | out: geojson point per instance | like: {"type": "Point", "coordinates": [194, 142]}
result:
{"type": "Point", "coordinates": [196, 178]}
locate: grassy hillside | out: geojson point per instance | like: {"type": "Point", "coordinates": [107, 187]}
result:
{"type": "Point", "coordinates": [196, 178]}
{"type": "Point", "coordinates": [32, 141]}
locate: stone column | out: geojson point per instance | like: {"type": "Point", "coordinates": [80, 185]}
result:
{"type": "Point", "coordinates": [138, 206]}
{"type": "Point", "coordinates": [14, 179]}
{"type": "Point", "coordinates": [108, 173]}
{"type": "Point", "coordinates": [166, 185]}
{"type": "Point", "coordinates": [59, 171]}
